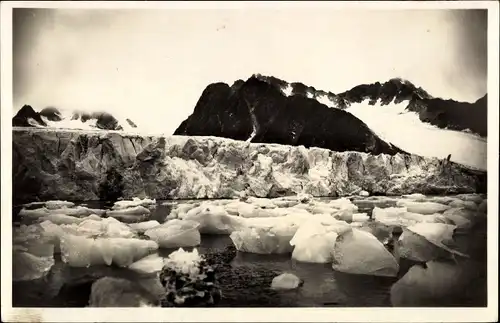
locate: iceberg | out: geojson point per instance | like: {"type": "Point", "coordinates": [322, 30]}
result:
{"type": "Point", "coordinates": [144, 226]}
{"type": "Point", "coordinates": [399, 216]}
{"type": "Point", "coordinates": [314, 241]}
{"type": "Point", "coordinates": [26, 266]}
{"type": "Point", "coordinates": [423, 207]}
{"type": "Point", "coordinates": [148, 265]}
{"type": "Point", "coordinates": [135, 213]}
{"type": "Point", "coordinates": [430, 284]}
{"type": "Point", "coordinates": [175, 233]}
{"type": "Point", "coordinates": [470, 205]}
{"type": "Point", "coordinates": [428, 241]}
{"type": "Point", "coordinates": [359, 252]}
{"type": "Point", "coordinates": [213, 219]}
{"type": "Point", "coordinates": [81, 251]}
{"type": "Point", "coordinates": [125, 204]}
{"type": "Point", "coordinates": [265, 237]}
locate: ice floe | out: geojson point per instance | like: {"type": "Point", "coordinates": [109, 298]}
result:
{"type": "Point", "coordinates": [175, 233]}
{"type": "Point", "coordinates": [359, 252]}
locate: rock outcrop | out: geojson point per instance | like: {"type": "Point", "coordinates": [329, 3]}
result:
{"type": "Point", "coordinates": [259, 112]}
{"type": "Point", "coordinates": [73, 165]}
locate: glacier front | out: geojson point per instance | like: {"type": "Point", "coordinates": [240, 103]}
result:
{"type": "Point", "coordinates": [74, 165]}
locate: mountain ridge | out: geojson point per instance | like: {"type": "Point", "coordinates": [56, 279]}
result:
{"type": "Point", "coordinates": [443, 113]}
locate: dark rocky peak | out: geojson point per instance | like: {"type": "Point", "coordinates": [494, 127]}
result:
{"type": "Point", "coordinates": [395, 90]}
{"type": "Point", "coordinates": [453, 115]}
{"type": "Point", "coordinates": [258, 111]}
{"type": "Point", "coordinates": [27, 117]}
{"type": "Point", "coordinates": [51, 114]}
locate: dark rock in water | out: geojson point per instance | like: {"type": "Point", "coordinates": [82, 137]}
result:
{"type": "Point", "coordinates": [27, 117]}
{"type": "Point", "coordinates": [258, 111]}
{"type": "Point", "coordinates": [184, 290]}
{"type": "Point", "coordinates": [51, 114]}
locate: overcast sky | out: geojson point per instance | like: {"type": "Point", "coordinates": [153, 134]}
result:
{"type": "Point", "coordinates": [152, 65]}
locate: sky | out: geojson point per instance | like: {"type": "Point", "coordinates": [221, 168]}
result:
{"type": "Point", "coordinates": [152, 65]}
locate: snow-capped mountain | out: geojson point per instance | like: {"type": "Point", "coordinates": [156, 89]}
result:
{"type": "Point", "coordinates": [51, 117]}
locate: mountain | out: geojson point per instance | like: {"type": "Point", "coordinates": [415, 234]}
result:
{"type": "Point", "coordinates": [51, 117]}
{"type": "Point", "coordinates": [445, 114]}
{"type": "Point", "coordinates": [259, 111]}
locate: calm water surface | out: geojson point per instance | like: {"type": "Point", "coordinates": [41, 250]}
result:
{"type": "Point", "coordinates": [65, 286]}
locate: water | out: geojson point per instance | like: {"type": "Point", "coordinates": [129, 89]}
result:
{"type": "Point", "coordinates": [65, 286]}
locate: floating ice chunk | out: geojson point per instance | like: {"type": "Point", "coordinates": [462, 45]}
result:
{"type": "Point", "coordinates": [135, 210]}
{"type": "Point", "coordinates": [78, 211]}
{"type": "Point", "coordinates": [120, 205]}
{"type": "Point", "coordinates": [53, 232]}
{"type": "Point", "coordinates": [108, 227]}
{"type": "Point", "coordinates": [261, 202]}
{"type": "Point", "coordinates": [286, 281]}
{"type": "Point", "coordinates": [364, 194]}
{"type": "Point", "coordinates": [148, 265]}
{"type": "Point", "coordinates": [184, 262]}
{"type": "Point", "coordinates": [213, 220]}
{"type": "Point", "coordinates": [51, 205]}
{"type": "Point", "coordinates": [400, 217]}
{"type": "Point", "coordinates": [428, 286]}
{"type": "Point", "coordinates": [35, 213]}
{"type": "Point", "coordinates": [343, 204]}
{"type": "Point", "coordinates": [32, 239]}
{"type": "Point", "coordinates": [476, 198]}
{"type": "Point", "coordinates": [359, 252]}
{"type": "Point", "coordinates": [441, 199]}
{"type": "Point", "coordinates": [144, 226]}
{"type": "Point", "coordinates": [461, 217]}
{"type": "Point", "coordinates": [422, 242]}
{"type": "Point", "coordinates": [470, 205]}
{"type": "Point", "coordinates": [415, 247]}
{"type": "Point", "coordinates": [314, 241]}
{"type": "Point", "coordinates": [389, 215]}
{"type": "Point", "coordinates": [26, 266]}
{"type": "Point", "coordinates": [61, 219]}
{"type": "Point", "coordinates": [176, 233]}
{"type": "Point", "coordinates": [414, 196]}
{"type": "Point", "coordinates": [423, 207]}
{"type": "Point", "coordinates": [80, 251]}
{"type": "Point", "coordinates": [360, 217]}
{"type": "Point", "coordinates": [125, 293]}
{"type": "Point", "coordinates": [266, 238]}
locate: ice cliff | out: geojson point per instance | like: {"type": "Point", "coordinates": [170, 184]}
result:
{"type": "Point", "coordinates": [74, 165]}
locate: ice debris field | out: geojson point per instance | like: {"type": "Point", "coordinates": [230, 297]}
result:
{"type": "Point", "coordinates": [359, 236]}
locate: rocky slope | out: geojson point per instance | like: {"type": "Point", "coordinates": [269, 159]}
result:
{"type": "Point", "coordinates": [450, 114]}
{"type": "Point", "coordinates": [74, 165]}
{"type": "Point", "coordinates": [258, 111]}
{"type": "Point", "coordinates": [53, 118]}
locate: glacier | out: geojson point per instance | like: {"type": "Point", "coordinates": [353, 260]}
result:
{"type": "Point", "coordinates": [72, 165]}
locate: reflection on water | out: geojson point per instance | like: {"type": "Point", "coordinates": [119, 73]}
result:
{"type": "Point", "coordinates": [65, 286]}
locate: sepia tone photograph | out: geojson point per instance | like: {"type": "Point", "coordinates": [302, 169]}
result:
{"type": "Point", "coordinates": [248, 157]}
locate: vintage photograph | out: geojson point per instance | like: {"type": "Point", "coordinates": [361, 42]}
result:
{"type": "Point", "coordinates": [249, 157]}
